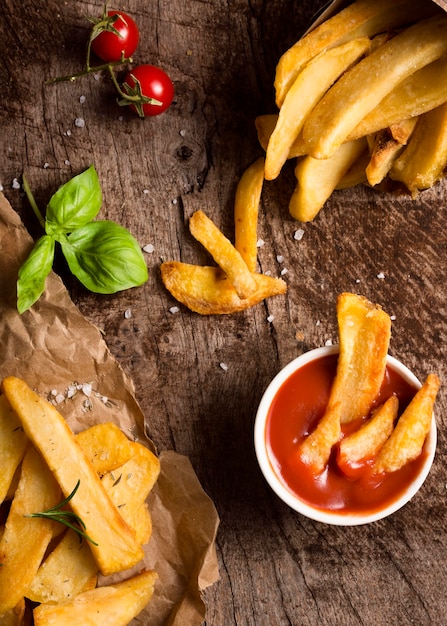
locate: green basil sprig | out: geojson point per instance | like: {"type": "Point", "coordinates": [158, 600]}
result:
{"type": "Point", "coordinates": [102, 255]}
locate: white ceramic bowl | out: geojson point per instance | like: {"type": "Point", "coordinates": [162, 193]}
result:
{"type": "Point", "coordinates": [278, 485]}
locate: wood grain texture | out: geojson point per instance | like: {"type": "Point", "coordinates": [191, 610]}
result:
{"type": "Point", "coordinates": [277, 568]}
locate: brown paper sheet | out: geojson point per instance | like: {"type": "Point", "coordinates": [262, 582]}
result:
{"type": "Point", "coordinates": [52, 346]}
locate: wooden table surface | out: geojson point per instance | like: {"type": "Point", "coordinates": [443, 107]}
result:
{"type": "Point", "coordinates": [277, 568]}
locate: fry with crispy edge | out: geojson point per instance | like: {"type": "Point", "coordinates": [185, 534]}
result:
{"type": "Point", "coordinates": [424, 160]}
{"type": "Point", "coordinates": [115, 604]}
{"type": "Point", "coordinates": [224, 253]}
{"type": "Point", "coordinates": [25, 539]}
{"type": "Point", "coordinates": [246, 209]}
{"type": "Point", "coordinates": [317, 179]}
{"type": "Point", "coordinates": [360, 89]}
{"type": "Point", "coordinates": [407, 439]}
{"type": "Point", "coordinates": [388, 145]}
{"type": "Point", "coordinates": [206, 290]}
{"type": "Point", "coordinates": [364, 444]}
{"type": "Point", "coordinates": [364, 336]}
{"type": "Point", "coordinates": [117, 548]}
{"type": "Point", "coordinates": [363, 18]}
{"type": "Point", "coordinates": [309, 86]}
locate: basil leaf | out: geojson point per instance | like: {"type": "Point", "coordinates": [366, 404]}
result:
{"type": "Point", "coordinates": [105, 257]}
{"type": "Point", "coordinates": [74, 204]}
{"type": "Point", "coordinates": [33, 272]}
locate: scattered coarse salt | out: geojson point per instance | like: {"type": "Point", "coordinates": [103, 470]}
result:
{"type": "Point", "coordinates": [223, 366]}
{"type": "Point", "coordinates": [87, 389]}
{"type": "Point", "coordinates": [149, 248]}
{"type": "Point", "coordinates": [280, 258]}
{"type": "Point", "coordinates": [393, 318]}
{"type": "Point", "coordinates": [357, 280]}
{"type": "Point", "coordinates": [71, 391]}
{"type": "Point", "coordinates": [46, 166]}
{"type": "Point", "coordinates": [284, 271]}
{"type": "Point", "coordinates": [127, 314]}
{"type": "Point", "coordinates": [53, 392]}
{"type": "Point", "coordinates": [59, 398]}
{"type": "Point", "coordinates": [82, 99]}
{"type": "Point", "coordinates": [79, 122]}
{"type": "Point", "coordinates": [145, 191]}
{"type": "Point", "coordinates": [68, 133]}
{"type": "Point", "coordinates": [174, 309]}
{"type": "Point", "coordinates": [120, 118]}
{"type": "Point", "coordinates": [268, 273]}
{"type": "Point", "coordinates": [15, 184]}
{"type": "Point", "coordinates": [182, 132]}
{"type": "Point", "coordinates": [298, 234]}
{"type": "Point", "coordinates": [270, 319]}
{"type": "Point", "coordinates": [67, 162]}
{"type": "Point", "coordinates": [318, 322]}
{"type": "Point", "coordinates": [381, 275]}
{"type": "Point", "coordinates": [328, 342]}
{"type": "Point", "coordinates": [97, 75]}
{"type": "Point", "coordinates": [174, 201]}
{"type": "Point", "coordinates": [260, 243]}
{"type": "Point", "coordinates": [1, 187]}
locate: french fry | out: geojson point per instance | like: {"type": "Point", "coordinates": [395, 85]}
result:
{"type": "Point", "coordinates": [115, 604]}
{"type": "Point", "coordinates": [423, 91]}
{"type": "Point", "coordinates": [25, 539]}
{"type": "Point", "coordinates": [14, 616]}
{"type": "Point", "coordinates": [224, 253]}
{"type": "Point", "coordinates": [206, 290]}
{"type": "Point", "coordinates": [13, 442]}
{"type": "Point", "coordinates": [360, 89]}
{"type": "Point", "coordinates": [388, 144]}
{"type": "Point", "coordinates": [307, 89]}
{"type": "Point", "coordinates": [115, 547]}
{"type": "Point", "coordinates": [265, 125]}
{"type": "Point", "coordinates": [363, 18]}
{"type": "Point", "coordinates": [68, 570]}
{"type": "Point", "coordinates": [106, 446]}
{"type": "Point", "coordinates": [356, 174]}
{"type": "Point", "coordinates": [407, 439]}
{"type": "Point", "coordinates": [364, 335]}
{"type": "Point", "coordinates": [246, 209]}
{"type": "Point", "coordinates": [424, 160]}
{"type": "Point", "coordinates": [317, 179]}
{"type": "Point", "coordinates": [364, 444]}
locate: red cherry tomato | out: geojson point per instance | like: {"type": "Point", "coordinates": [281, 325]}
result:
{"type": "Point", "coordinates": [153, 83]}
{"type": "Point", "coordinates": [109, 45]}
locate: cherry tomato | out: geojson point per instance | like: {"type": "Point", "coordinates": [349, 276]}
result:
{"type": "Point", "coordinates": [109, 45]}
{"type": "Point", "coordinates": [149, 81]}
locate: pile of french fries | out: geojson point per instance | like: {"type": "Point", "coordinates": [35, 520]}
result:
{"type": "Point", "coordinates": [233, 284]}
{"type": "Point", "coordinates": [362, 98]}
{"type": "Point", "coordinates": [72, 506]}
{"type": "Point", "coordinates": [384, 440]}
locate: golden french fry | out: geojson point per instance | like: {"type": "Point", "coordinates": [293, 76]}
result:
{"type": "Point", "coordinates": [423, 91]}
{"type": "Point", "coordinates": [246, 209]}
{"type": "Point", "coordinates": [424, 160]}
{"type": "Point", "coordinates": [68, 570]}
{"type": "Point", "coordinates": [13, 442]}
{"type": "Point", "coordinates": [307, 89]}
{"type": "Point", "coordinates": [106, 446]}
{"type": "Point", "coordinates": [364, 335]}
{"type": "Point", "coordinates": [364, 18]}
{"type": "Point", "coordinates": [115, 604]}
{"type": "Point", "coordinates": [407, 439]}
{"type": "Point", "coordinates": [364, 444]}
{"type": "Point", "coordinates": [25, 539]}
{"type": "Point", "coordinates": [207, 290]}
{"type": "Point", "coordinates": [387, 149]}
{"type": "Point", "coordinates": [265, 125]}
{"type": "Point", "coordinates": [362, 88]}
{"type": "Point", "coordinates": [129, 485]}
{"type": "Point", "coordinates": [115, 547]}
{"type": "Point", "coordinates": [224, 253]}
{"type": "Point", "coordinates": [14, 616]}
{"type": "Point", "coordinates": [317, 179]}
{"type": "Point", "coordinates": [356, 174]}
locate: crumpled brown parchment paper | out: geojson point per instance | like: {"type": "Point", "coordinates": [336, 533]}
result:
{"type": "Point", "coordinates": [52, 346]}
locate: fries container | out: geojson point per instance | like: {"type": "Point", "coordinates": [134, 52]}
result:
{"type": "Point", "coordinates": [333, 517]}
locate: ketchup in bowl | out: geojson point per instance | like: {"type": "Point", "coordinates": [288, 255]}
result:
{"type": "Point", "coordinates": [291, 408]}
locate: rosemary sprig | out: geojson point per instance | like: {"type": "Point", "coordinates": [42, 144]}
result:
{"type": "Point", "coordinates": [68, 518]}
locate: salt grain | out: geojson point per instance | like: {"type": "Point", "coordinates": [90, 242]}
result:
{"type": "Point", "coordinates": [270, 319]}
{"type": "Point", "coordinates": [298, 234]}
{"type": "Point", "coordinates": [280, 258]}
{"type": "Point", "coordinates": [328, 342]}
{"type": "Point", "coordinates": [82, 99]}
{"type": "Point", "coordinates": [393, 318]}
{"type": "Point", "coordinates": [174, 309]}
{"type": "Point", "coordinates": [182, 132]}
{"type": "Point", "coordinates": [15, 184]}
{"type": "Point", "coordinates": [381, 275]}
{"type": "Point", "coordinates": [127, 314]}
{"type": "Point", "coordinates": [260, 243]}
{"type": "Point", "coordinates": [46, 166]}
{"type": "Point", "coordinates": [1, 187]}
{"type": "Point", "coordinates": [87, 389]}
{"type": "Point", "coordinates": [284, 271]}
{"type": "Point", "coordinates": [149, 248]}
{"type": "Point", "coordinates": [79, 122]}
{"type": "Point", "coordinates": [223, 366]}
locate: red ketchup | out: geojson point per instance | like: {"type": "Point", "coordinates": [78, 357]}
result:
{"type": "Point", "coordinates": [295, 411]}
